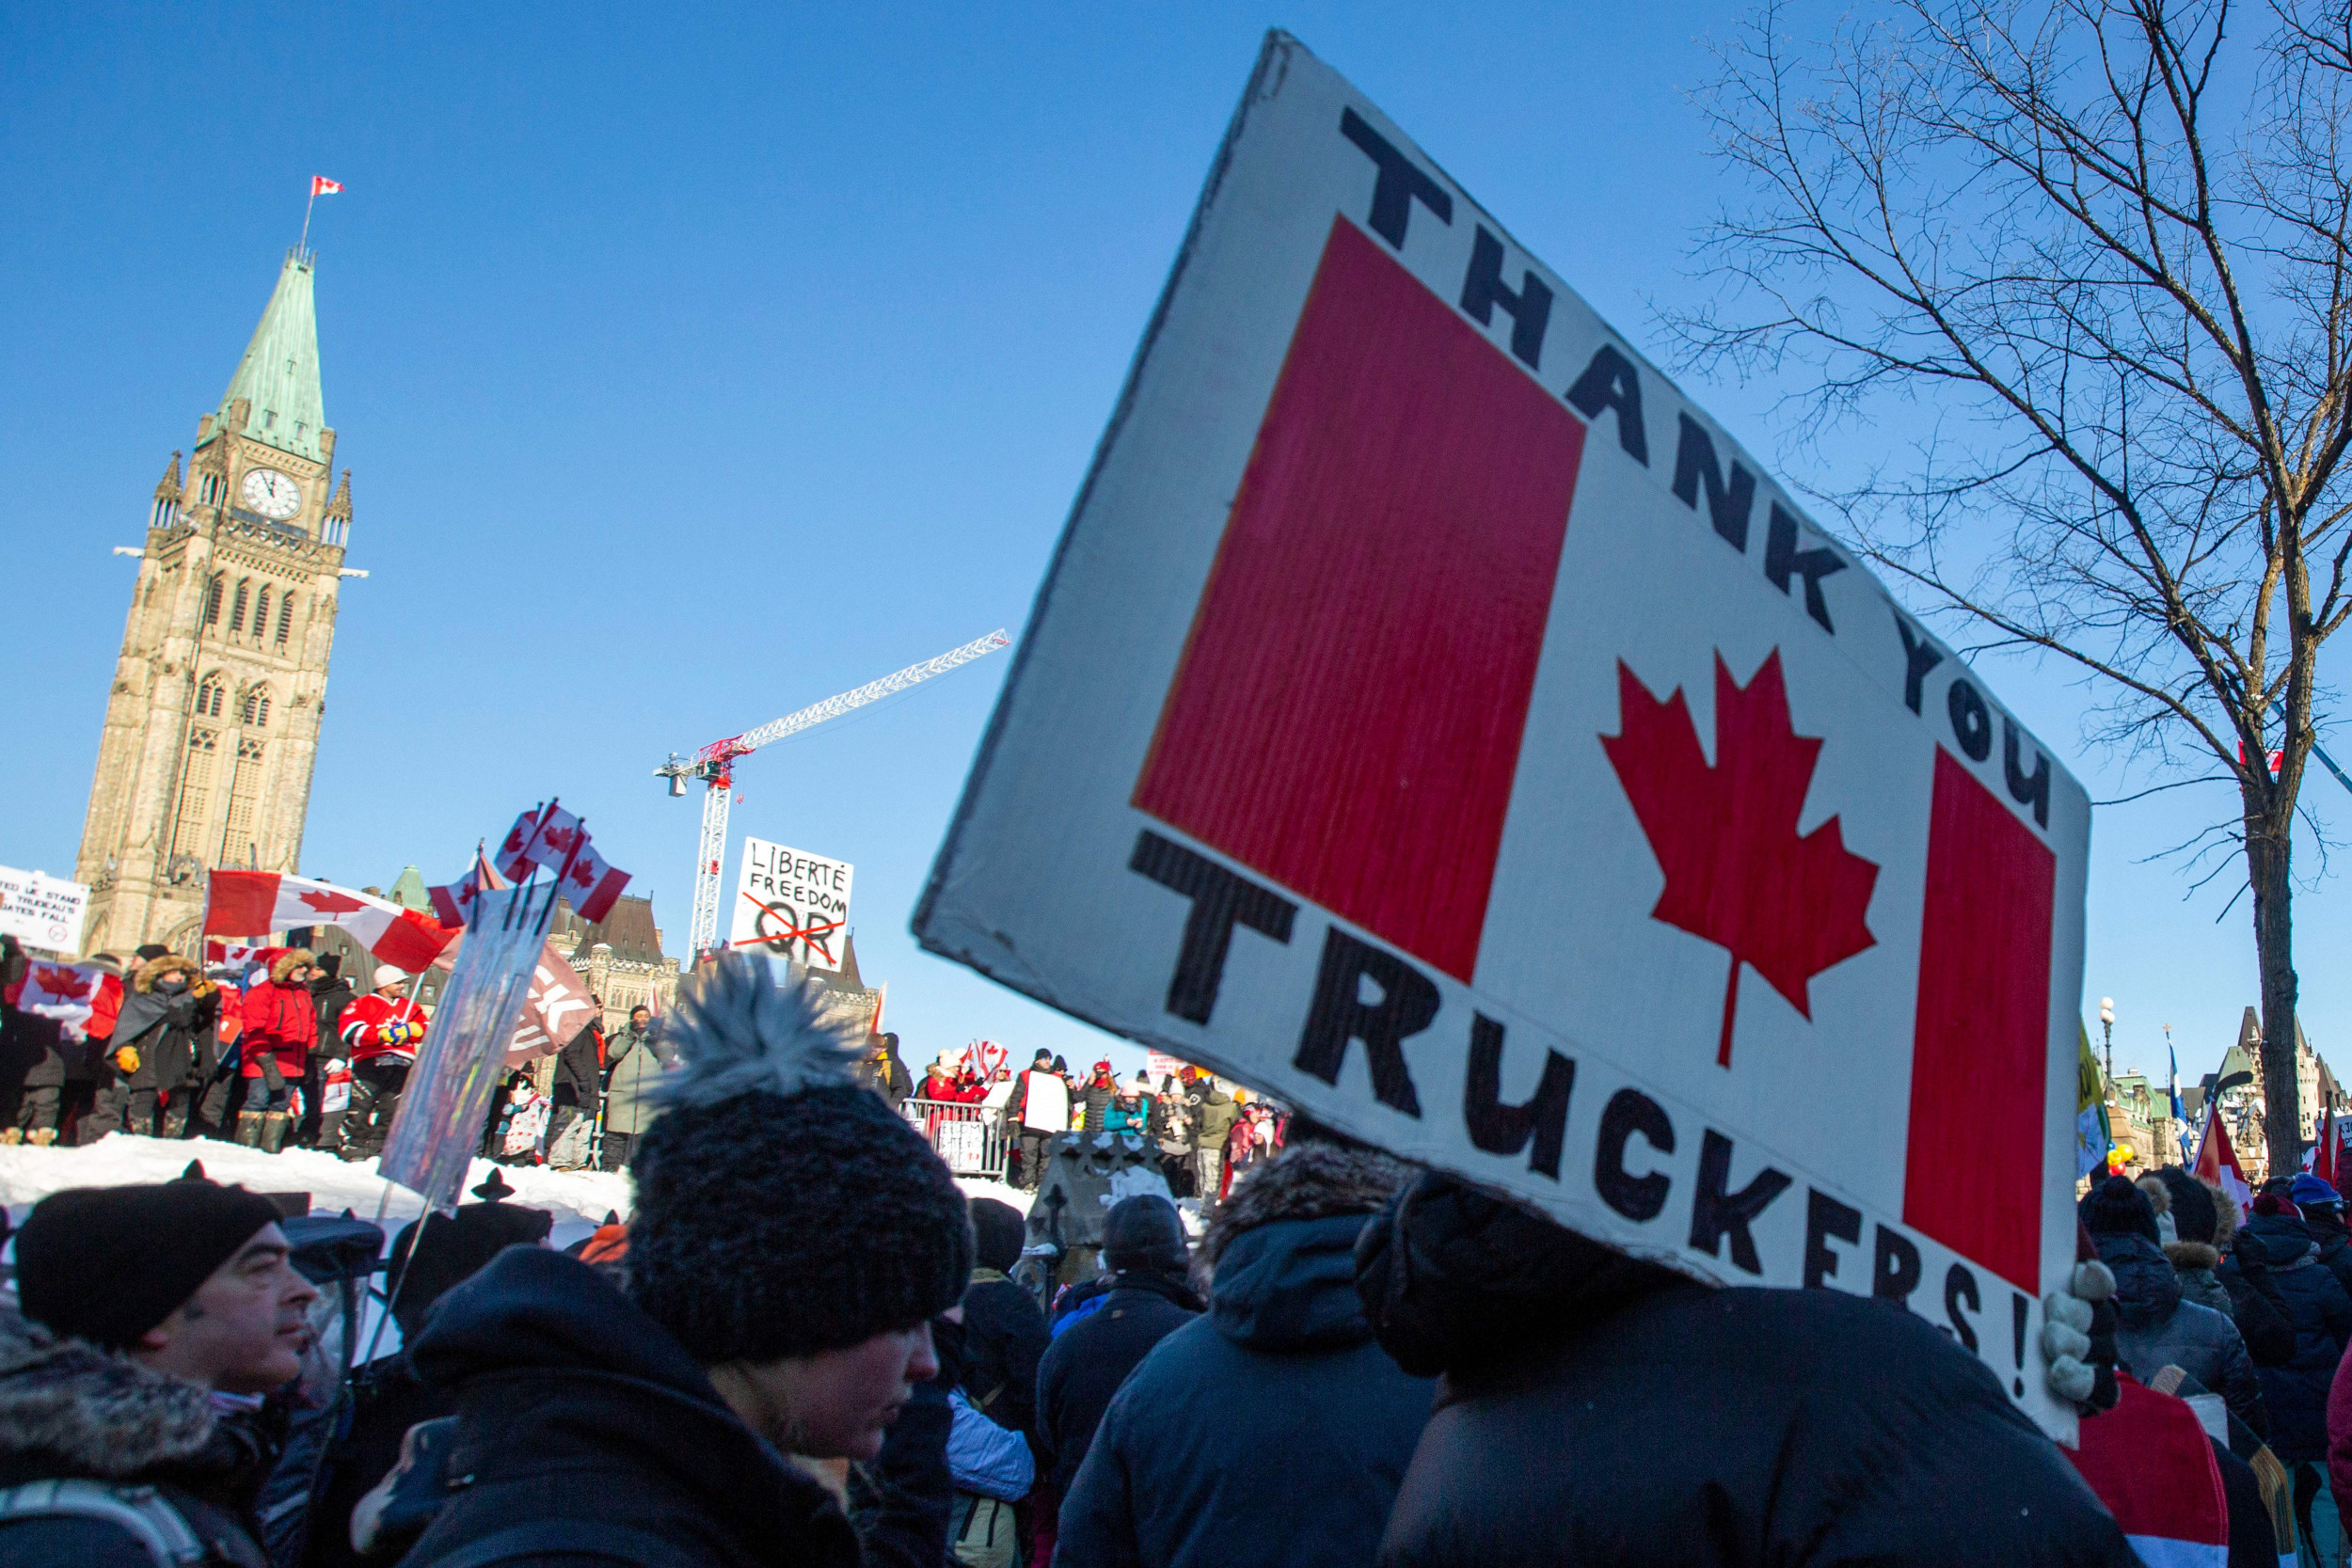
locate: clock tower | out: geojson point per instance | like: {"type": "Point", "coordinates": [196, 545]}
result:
{"type": "Point", "coordinates": [212, 719]}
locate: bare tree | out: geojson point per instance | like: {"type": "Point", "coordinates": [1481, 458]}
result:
{"type": "Point", "coordinates": [2105, 250]}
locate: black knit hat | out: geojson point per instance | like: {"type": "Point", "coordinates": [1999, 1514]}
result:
{"type": "Point", "coordinates": [1144, 1232]}
{"type": "Point", "coordinates": [457, 1246]}
{"type": "Point", "coordinates": [783, 1209]}
{"type": "Point", "coordinates": [106, 1264]}
{"type": "Point", "coordinates": [2195, 1218]}
{"type": "Point", "coordinates": [998, 1233]}
{"type": "Point", "coordinates": [2117, 1207]}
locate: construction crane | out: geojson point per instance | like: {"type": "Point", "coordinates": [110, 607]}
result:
{"type": "Point", "coordinates": [715, 766]}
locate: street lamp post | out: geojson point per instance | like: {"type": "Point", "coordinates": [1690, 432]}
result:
{"type": "Point", "coordinates": [2106, 1028]}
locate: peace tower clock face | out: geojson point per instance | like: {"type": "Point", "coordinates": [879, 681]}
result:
{"type": "Point", "coordinates": [271, 493]}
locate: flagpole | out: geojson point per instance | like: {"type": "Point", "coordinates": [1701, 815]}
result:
{"type": "Point", "coordinates": [305, 243]}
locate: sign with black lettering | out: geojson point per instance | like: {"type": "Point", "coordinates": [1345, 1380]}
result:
{"type": "Point", "coordinates": [1433, 718]}
{"type": "Point", "coordinates": [792, 903]}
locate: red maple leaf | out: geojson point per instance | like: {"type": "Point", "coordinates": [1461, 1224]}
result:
{"type": "Point", "coordinates": [1737, 873]}
{"type": "Point", "coordinates": [65, 984]}
{"type": "Point", "coordinates": [331, 903]}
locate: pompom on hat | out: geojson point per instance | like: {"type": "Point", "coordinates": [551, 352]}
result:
{"type": "Point", "coordinates": [782, 1209]}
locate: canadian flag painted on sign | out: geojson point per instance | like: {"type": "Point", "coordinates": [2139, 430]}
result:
{"type": "Point", "coordinates": [254, 903]}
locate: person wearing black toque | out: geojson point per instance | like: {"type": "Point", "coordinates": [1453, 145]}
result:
{"type": "Point", "coordinates": [1598, 1409]}
{"type": "Point", "coordinates": [154, 1319]}
{"type": "Point", "coordinates": [1094, 1349]}
{"type": "Point", "coordinates": [387, 1395]}
{"type": "Point", "coordinates": [791, 1245]}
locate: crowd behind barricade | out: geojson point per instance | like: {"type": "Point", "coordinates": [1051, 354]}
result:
{"type": "Point", "coordinates": [1196, 1132]}
{"type": "Point", "coordinates": [807, 1346]}
{"type": "Point", "coordinates": [285, 1052]}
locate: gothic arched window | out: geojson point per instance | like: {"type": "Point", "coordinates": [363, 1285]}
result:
{"type": "Point", "coordinates": [209, 697]}
{"type": "Point", "coordinates": [236, 615]}
{"type": "Point", "coordinates": [212, 599]}
{"type": "Point", "coordinates": [285, 617]}
{"type": "Point", "coordinates": [260, 613]}
{"type": "Point", "coordinates": [257, 708]}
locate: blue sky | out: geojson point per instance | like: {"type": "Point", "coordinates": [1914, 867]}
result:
{"type": "Point", "coordinates": [694, 365]}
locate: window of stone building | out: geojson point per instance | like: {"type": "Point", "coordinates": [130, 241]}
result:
{"type": "Point", "coordinates": [285, 617]}
{"type": "Point", "coordinates": [209, 697]}
{"type": "Point", "coordinates": [237, 844]}
{"type": "Point", "coordinates": [260, 613]}
{"type": "Point", "coordinates": [236, 615]}
{"type": "Point", "coordinates": [195, 790]}
{"type": "Point", "coordinates": [257, 708]}
{"type": "Point", "coordinates": [212, 599]}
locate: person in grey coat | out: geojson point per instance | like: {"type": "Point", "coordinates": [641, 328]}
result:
{"type": "Point", "coordinates": [2158, 1328]}
{"type": "Point", "coordinates": [635, 1060]}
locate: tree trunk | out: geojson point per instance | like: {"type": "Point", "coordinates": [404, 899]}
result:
{"type": "Point", "coordinates": [2267, 847]}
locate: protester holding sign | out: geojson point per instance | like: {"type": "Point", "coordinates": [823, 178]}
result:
{"type": "Point", "coordinates": [1632, 1416]}
{"type": "Point", "coordinates": [1039, 1107]}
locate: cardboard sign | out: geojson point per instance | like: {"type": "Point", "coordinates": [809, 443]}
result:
{"type": "Point", "coordinates": [1434, 719]}
{"type": "Point", "coordinates": [792, 903]}
{"type": "Point", "coordinates": [41, 910]}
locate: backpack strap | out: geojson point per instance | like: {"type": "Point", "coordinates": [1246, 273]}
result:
{"type": "Point", "coordinates": [560, 1538]}
{"type": "Point", "coordinates": [140, 1511]}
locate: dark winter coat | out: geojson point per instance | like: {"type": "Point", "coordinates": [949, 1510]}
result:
{"type": "Point", "coordinates": [1274, 1424]}
{"type": "Point", "coordinates": [70, 1411]}
{"type": "Point", "coordinates": [2194, 1262]}
{"type": "Point", "coordinates": [885, 1073]}
{"type": "Point", "coordinates": [2297, 1393]}
{"type": "Point", "coordinates": [1097, 1096]}
{"type": "Point", "coordinates": [574, 1404]}
{"type": "Point", "coordinates": [2259, 1309]}
{"type": "Point", "coordinates": [2328, 1233]}
{"type": "Point", "coordinates": [333, 993]}
{"type": "Point", "coordinates": [579, 1076]}
{"type": "Point", "coordinates": [1004, 1340]}
{"type": "Point", "coordinates": [1213, 1116]}
{"type": "Point", "coordinates": [1599, 1411]}
{"type": "Point", "coordinates": [1088, 1361]}
{"type": "Point", "coordinates": [2158, 1329]}
{"type": "Point", "coordinates": [167, 1029]}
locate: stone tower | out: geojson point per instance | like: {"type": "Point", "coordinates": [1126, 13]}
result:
{"type": "Point", "coordinates": [213, 721]}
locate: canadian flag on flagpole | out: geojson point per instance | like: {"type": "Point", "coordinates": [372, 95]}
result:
{"type": "Point", "coordinates": [322, 185]}
{"type": "Point", "coordinates": [553, 837]}
{"type": "Point", "coordinates": [453, 902]}
{"type": "Point", "coordinates": [2217, 1162]}
{"type": "Point", "coordinates": [253, 903]}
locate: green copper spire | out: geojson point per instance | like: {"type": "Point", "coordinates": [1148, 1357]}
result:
{"type": "Point", "coordinates": [278, 376]}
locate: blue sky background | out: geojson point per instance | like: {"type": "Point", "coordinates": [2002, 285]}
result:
{"type": "Point", "coordinates": [694, 364]}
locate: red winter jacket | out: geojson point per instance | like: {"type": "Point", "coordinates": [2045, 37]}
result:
{"type": "Point", "coordinates": [280, 1017]}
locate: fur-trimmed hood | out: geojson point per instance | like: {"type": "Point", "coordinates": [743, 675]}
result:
{"type": "Point", "coordinates": [170, 963]}
{"type": "Point", "coordinates": [290, 961]}
{"type": "Point", "coordinates": [1307, 1181]}
{"type": "Point", "coordinates": [2192, 1255]}
{"type": "Point", "coordinates": [72, 1409]}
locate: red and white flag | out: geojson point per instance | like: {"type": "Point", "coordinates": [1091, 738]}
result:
{"type": "Point", "coordinates": [453, 902]}
{"type": "Point", "coordinates": [2216, 1162]}
{"type": "Point", "coordinates": [68, 994]}
{"type": "Point", "coordinates": [554, 838]}
{"type": "Point", "coordinates": [250, 961]}
{"type": "Point", "coordinates": [322, 185]}
{"type": "Point", "coordinates": [255, 903]}
{"type": "Point", "coordinates": [557, 1005]}
{"type": "Point", "coordinates": [594, 884]}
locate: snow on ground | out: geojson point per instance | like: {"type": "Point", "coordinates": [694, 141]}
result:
{"type": "Point", "coordinates": [579, 1200]}
{"type": "Point", "coordinates": [28, 1174]}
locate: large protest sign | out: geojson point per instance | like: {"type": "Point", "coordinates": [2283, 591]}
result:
{"type": "Point", "coordinates": [793, 905]}
{"type": "Point", "coordinates": [1435, 719]}
{"type": "Point", "coordinates": [40, 911]}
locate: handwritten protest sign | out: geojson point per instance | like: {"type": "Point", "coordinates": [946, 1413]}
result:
{"type": "Point", "coordinates": [40, 911]}
{"type": "Point", "coordinates": [1433, 718]}
{"type": "Point", "coordinates": [792, 903]}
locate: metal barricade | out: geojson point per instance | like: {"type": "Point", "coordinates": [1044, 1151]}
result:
{"type": "Point", "coordinates": [970, 1138]}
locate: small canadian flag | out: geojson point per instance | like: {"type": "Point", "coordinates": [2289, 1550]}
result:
{"type": "Point", "coordinates": [322, 185]}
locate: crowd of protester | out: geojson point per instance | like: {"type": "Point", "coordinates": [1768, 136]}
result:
{"type": "Point", "coordinates": [289, 1055]}
{"type": "Point", "coordinates": [807, 1345]}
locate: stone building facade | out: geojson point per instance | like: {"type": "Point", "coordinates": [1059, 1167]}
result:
{"type": "Point", "coordinates": [620, 956]}
{"type": "Point", "coordinates": [213, 721]}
